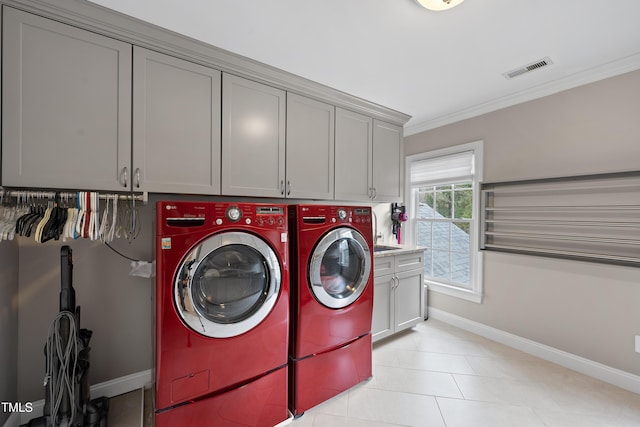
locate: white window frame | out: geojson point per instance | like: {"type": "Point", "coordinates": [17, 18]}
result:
{"type": "Point", "coordinates": [474, 293]}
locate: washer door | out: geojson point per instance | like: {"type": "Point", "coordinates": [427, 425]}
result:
{"type": "Point", "coordinates": [227, 284]}
{"type": "Point", "coordinates": [339, 267]}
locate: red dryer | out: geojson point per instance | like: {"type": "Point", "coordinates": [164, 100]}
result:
{"type": "Point", "coordinates": [331, 302]}
{"type": "Point", "coordinates": [222, 314]}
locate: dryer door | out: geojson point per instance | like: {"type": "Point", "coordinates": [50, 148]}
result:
{"type": "Point", "coordinates": [227, 284]}
{"type": "Point", "coordinates": [340, 267]}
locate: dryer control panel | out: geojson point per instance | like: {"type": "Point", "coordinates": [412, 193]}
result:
{"type": "Point", "coordinates": [322, 214]}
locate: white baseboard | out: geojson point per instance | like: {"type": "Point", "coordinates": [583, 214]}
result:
{"type": "Point", "coordinates": [580, 364]}
{"type": "Point", "coordinates": [109, 388]}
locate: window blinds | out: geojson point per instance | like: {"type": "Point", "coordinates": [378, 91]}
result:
{"type": "Point", "coordinates": [595, 218]}
{"type": "Point", "coordinates": [443, 169]}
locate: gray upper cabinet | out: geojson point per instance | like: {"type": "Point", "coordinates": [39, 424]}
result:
{"type": "Point", "coordinates": [176, 125]}
{"type": "Point", "coordinates": [354, 156]}
{"type": "Point", "coordinates": [253, 138]}
{"type": "Point", "coordinates": [82, 110]}
{"type": "Point", "coordinates": [310, 148]}
{"type": "Point", "coordinates": [387, 162]}
{"type": "Point", "coordinates": [368, 158]}
{"type": "Point", "coordinates": [66, 106]}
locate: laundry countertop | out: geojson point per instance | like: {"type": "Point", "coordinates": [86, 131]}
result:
{"type": "Point", "coordinates": [381, 250]}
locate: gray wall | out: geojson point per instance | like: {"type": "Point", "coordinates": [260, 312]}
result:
{"type": "Point", "coordinates": [8, 324]}
{"type": "Point", "coordinates": [590, 310]}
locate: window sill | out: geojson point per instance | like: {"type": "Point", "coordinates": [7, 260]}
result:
{"type": "Point", "coordinates": [453, 291]}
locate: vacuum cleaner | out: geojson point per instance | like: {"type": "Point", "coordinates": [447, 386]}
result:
{"type": "Point", "coordinates": [67, 395]}
{"type": "Point", "coordinates": [398, 216]}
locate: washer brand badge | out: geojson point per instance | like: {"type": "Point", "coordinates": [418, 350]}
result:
{"type": "Point", "coordinates": [166, 243]}
{"type": "Point", "coordinates": [171, 207]}
{"type": "Point", "coordinates": [283, 237]}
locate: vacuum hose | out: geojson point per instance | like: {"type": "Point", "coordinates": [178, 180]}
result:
{"type": "Point", "coordinates": [62, 350]}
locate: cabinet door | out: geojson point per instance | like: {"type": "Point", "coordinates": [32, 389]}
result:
{"type": "Point", "coordinates": [387, 162]}
{"type": "Point", "coordinates": [310, 147]}
{"type": "Point", "coordinates": [382, 323]}
{"type": "Point", "coordinates": [354, 144]}
{"type": "Point", "coordinates": [408, 300]}
{"type": "Point", "coordinates": [253, 138]}
{"type": "Point", "coordinates": [66, 106]}
{"type": "Point", "coordinates": [176, 125]}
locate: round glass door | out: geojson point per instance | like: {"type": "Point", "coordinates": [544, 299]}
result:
{"type": "Point", "coordinates": [339, 268]}
{"type": "Point", "coordinates": [227, 284]}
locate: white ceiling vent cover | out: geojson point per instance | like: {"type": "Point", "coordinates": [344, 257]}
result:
{"type": "Point", "coordinates": [528, 68]}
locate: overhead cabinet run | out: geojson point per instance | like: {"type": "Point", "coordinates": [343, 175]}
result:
{"type": "Point", "coordinates": [85, 111]}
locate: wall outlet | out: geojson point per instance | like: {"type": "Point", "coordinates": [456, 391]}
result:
{"type": "Point", "coordinates": [637, 343]}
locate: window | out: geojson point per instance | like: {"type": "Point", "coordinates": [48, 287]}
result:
{"type": "Point", "coordinates": [443, 193]}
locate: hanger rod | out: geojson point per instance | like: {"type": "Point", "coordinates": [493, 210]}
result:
{"type": "Point", "coordinates": [139, 197]}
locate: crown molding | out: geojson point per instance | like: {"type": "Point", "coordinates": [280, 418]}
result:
{"type": "Point", "coordinates": [612, 69]}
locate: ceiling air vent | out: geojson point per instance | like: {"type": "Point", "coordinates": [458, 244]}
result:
{"type": "Point", "coordinates": [527, 68]}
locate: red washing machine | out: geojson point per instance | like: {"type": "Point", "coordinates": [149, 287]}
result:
{"type": "Point", "coordinates": [222, 314]}
{"type": "Point", "coordinates": [331, 302]}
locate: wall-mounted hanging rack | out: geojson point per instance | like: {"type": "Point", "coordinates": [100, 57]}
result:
{"type": "Point", "coordinates": [592, 218]}
{"type": "Point", "coordinates": [47, 215]}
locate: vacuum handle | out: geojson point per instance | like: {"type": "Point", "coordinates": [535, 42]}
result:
{"type": "Point", "coordinates": [67, 293]}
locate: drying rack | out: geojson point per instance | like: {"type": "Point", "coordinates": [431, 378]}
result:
{"type": "Point", "coordinates": [591, 218]}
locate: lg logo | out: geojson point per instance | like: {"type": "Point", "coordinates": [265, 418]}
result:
{"type": "Point", "coordinates": [17, 407]}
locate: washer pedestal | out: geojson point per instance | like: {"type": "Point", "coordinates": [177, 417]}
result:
{"type": "Point", "coordinates": [320, 377]}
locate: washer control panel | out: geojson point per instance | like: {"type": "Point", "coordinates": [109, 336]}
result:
{"type": "Point", "coordinates": [207, 214]}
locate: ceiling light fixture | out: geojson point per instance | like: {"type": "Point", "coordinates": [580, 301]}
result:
{"type": "Point", "coordinates": [439, 4]}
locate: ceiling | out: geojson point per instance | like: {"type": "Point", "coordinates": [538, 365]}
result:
{"type": "Point", "coordinates": [438, 67]}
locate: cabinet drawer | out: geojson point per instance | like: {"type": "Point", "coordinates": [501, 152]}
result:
{"type": "Point", "coordinates": [409, 261]}
{"type": "Point", "coordinates": [383, 265]}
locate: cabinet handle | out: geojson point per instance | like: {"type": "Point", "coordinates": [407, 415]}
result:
{"type": "Point", "coordinates": [397, 282]}
{"type": "Point", "coordinates": [125, 177]}
{"type": "Point", "coordinates": [288, 188]}
{"type": "Point", "coordinates": [282, 187]}
{"type": "Point", "coordinates": [137, 177]}
{"type": "Point", "coordinates": [375, 193]}
{"type": "Point", "coordinates": [370, 193]}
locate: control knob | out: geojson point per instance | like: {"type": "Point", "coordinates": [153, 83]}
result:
{"type": "Point", "coordinates": [234, 214]}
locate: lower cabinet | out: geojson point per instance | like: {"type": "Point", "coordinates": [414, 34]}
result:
{"type": "Point", "coordinates": [398, 293]}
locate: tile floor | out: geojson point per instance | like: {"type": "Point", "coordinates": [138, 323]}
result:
{"type": "Point", "coordinates": [439, 375]}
